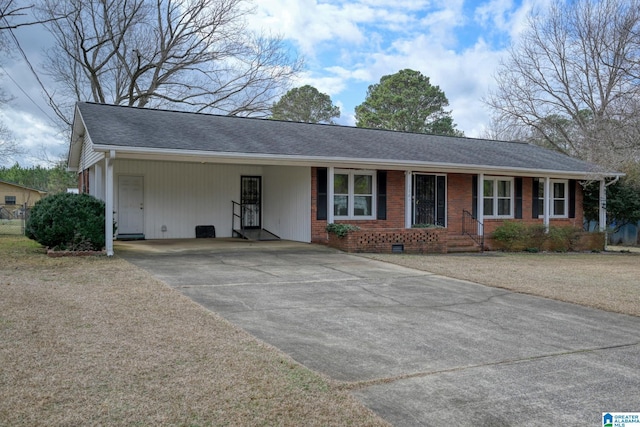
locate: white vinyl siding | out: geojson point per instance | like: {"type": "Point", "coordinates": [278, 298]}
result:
{"type": "Point", "coordinates": [181, 196]}
{"type": "Point", "coordinates": [286, 202]}
{"type": "Point", "coordinates": [88, 156]}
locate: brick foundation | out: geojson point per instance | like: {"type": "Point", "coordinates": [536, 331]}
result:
{"type": "Point", "coordinates": [413, 240]}
{"type": "Point", "coordinates": [378, 235]}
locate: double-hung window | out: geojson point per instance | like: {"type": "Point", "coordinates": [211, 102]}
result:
{"type": "Point", "coordinates": [9, 200]}
{"type": "Point", "coordinates": [558, 200]}
{"type": "Point", "coordinates": [498, 197]}
{"type": "Point", "coordinates": [353, 193]}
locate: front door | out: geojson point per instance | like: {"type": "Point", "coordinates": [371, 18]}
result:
{"type": "Point", "coordinates": [130, 205]}
{"type": "Point", "coordinates": [251, 200]}
{"type": "Point", "coordinates": [429, 199]}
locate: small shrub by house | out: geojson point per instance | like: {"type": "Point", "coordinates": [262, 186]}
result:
{"type": "Point", "coordinates": [68, 221]}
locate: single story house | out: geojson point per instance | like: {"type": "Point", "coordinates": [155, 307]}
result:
{"type": "Point", "coordinates": [14, 198]}
{"type": "Point", "coordinates": [164, 173]}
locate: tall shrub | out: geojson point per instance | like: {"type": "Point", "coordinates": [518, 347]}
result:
{"type": "Point", "coordinates": [67, 221]}
{"type": "Point", "coordinates": [518, 236]}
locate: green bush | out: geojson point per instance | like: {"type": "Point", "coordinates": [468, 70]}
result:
{"type": "Point", "coordinates": [518, 236]}
{"type": "Point", "coordinates": [562, 239]}
{"type": "Point", "coordinates": [513, 235]}
{"type": "Point", "coordinates": [67, 221]}
{"type": "Point", "coordinates": [341, 230]}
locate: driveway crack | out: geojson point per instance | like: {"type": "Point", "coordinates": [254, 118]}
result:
{"type": "Point", "coordinates": [359, 385]}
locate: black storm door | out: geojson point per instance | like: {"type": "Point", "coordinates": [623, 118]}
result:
{"type": "Point", "coordinates": [251, 200]}
{"type": "Point", "coordinates": [429, 199]}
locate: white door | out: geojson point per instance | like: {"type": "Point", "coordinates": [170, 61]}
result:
{"type": "Point", "coordinates": [130, 205]}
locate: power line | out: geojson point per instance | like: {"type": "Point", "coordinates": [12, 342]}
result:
{"type": "Point", "coordinates": [4, 70]}
{"type": "Point", "coordinates": [33, 71]}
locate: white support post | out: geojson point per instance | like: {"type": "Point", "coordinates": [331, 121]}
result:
{"type": "Point", "coordinates": [602, 208]}
{"type": "Point", "coordinates": [480, 204]}
{"type": "Point", "coordinates": [330, 189]}
{"type": "Point", "coordinates": [108, 205]}
{"type": "Point", "coordinates": [547, 203]}
{"type": "Point", "coordinates": [408, 200]}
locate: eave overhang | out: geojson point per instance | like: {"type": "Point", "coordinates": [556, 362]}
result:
{"type": "Point", "coordinates": [193, 156]}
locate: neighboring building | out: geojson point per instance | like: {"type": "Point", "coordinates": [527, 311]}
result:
{"type": "Point", "coordinates": [163, 173]}
{"type": "Point", "coordinates": [13, 198]}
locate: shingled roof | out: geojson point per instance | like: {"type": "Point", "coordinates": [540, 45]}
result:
{"type": "Point", "coordinates": [161, 131]}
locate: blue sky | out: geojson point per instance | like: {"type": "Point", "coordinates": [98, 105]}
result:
{"type": "Point", "coordinates": [347, 46]}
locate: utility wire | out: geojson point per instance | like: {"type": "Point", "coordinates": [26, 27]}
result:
{"type": "Point", "coordinates": [33, 71]}
{"type": "Point", "coordinates": [4, 70]}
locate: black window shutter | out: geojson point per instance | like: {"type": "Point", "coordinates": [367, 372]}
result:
{"type": "Point", "coordinates": [321, 213]}
{"type": "Point", "coordinates": [382, 194]}
{"type": "Point", "coordinates": [441, 202]}
{"type": "Point", "coordinates": [474, 196]}
{"type": "Point", "coordinates": [535, 211]}
{"type": "Point", "coordinates": [572, 198]}
{"type": "Point", "coordinates": [518, 204]}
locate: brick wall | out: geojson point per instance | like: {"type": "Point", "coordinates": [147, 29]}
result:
{"type": "Point", "coordinates": [413, 240]}
{"type": "Point", "coordinates": [395, 208]}
{"type": "Point", "coordinates": [459, 198]}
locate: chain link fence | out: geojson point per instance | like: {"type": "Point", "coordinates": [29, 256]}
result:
{"type": "Point", "coordinates": [13, 219]}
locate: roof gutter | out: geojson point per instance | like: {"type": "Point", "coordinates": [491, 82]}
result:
{"type": "Point", "coordinates": [615, 179]}
{"type": "Point", "coordinates": [273, 159]}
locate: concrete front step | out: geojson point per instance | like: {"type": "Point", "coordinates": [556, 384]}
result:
{"type": "Point", "coordinates": [463, 249]}
{"type": "Point", "coordinates": [460, 243]}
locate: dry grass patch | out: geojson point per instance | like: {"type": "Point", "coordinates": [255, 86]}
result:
{"type": "Point", "coordinates": [98, 341]}
{"type": "Point", "coordinates": [607, 281]}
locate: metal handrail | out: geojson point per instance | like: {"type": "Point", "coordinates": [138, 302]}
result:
{"type": "Point", "coordinates": [473, 228]}
{"type": "Point", "coordinates": [236, 215]}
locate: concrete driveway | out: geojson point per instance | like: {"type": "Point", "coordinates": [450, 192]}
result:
{"type": "Point", "coordinates": [417, 348]}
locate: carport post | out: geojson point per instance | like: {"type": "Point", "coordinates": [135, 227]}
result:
{"type": "Point", "coordinates": [108, 203]}
{"type": "Point", "coordinates": [602, 208]}
{"type": "Point", "coordinates": [547, 203]}
{"type": "Point", "coordinates": [480, 204]}
{"type": "Point", "coordinates": [330, 195]}
{"type": "Point", "coordinates": [408, 205]}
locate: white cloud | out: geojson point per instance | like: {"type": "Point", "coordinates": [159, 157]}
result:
{"type": "Point", "coordinates": [312, 24]}
{"type": "Point", "coordinates": [507, 16]}
{"type": "Point", "coordinates": [464, 76]}
{"type": "Point", "coordinates": [349, 45]}
{"type": "Point", "coordinates": [41, 141]}
{"type": "Point", "coordinates": [352, 44]}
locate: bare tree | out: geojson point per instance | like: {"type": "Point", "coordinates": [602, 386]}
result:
{"type": "Point", "coordinates": [9, 11]}
{"type": "Point", "coordinates": [572, 80]}
{"type": "Point", "coordinates": [189, 54]}
{"type": "Point", "coordinates": [8, 145]}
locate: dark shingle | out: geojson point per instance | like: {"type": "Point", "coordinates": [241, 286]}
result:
{"type": "Point", "coordinates": [110, 125]}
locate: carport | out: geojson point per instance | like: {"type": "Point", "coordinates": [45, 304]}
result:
{"type": "Point", "coordinates": [417, 348]}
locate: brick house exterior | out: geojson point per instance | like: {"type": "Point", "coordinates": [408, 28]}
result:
{"type": "Point", "coordinates": [460, 197]}
{"type": "Point", "coordinates": [163, 174]}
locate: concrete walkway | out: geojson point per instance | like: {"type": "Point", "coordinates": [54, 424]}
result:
{"type": "Point", "coordinates": [417, 348]}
